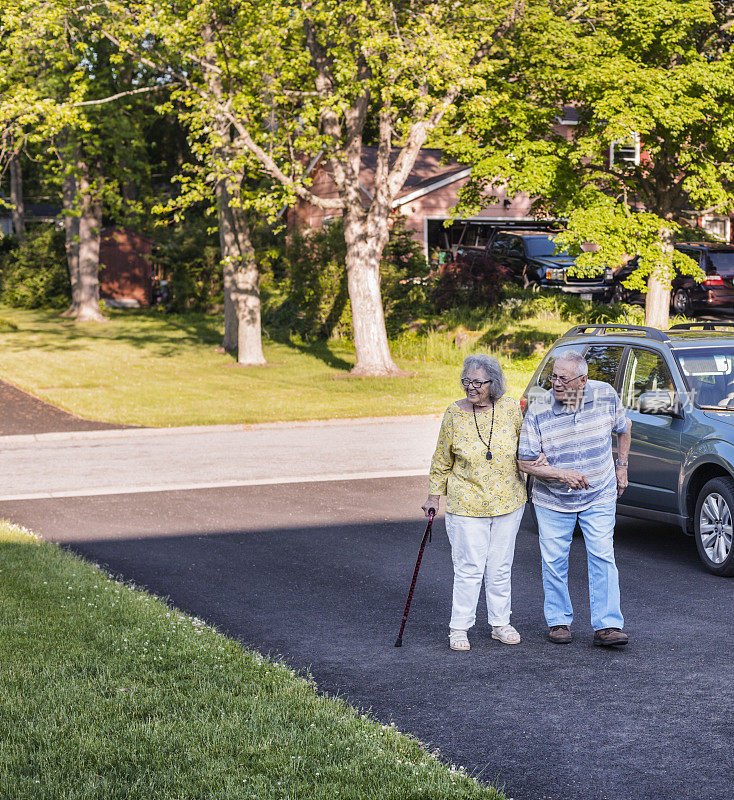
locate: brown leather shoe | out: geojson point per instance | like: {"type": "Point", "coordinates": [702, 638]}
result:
{"type": "Point", "coordinates": [560, 634]}
{"type": "Point", "coordinates": [610, 637]}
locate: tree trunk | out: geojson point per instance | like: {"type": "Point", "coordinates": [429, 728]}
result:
{"type": "Point", "coordinates": [657, 302]}
{"type": "Point", "coordinates": [231, 323]}
{"type": "Point", "coordinates": [90, 233]}
{"type": "Point", "coordinates": [83, 249]}
{"type": "Point", "coordinates": [242, 327]}
{"type": "Point", "coordinates": [71, 231]}
{"type": "Point", "coordinates": [364, 251]}
{"type": "Point", "coordinates": [16, 197]}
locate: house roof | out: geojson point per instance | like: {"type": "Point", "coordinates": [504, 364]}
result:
{"type": "Point", "coordinates": [429, 173]}
{"type": "Point", "coordinates": [429, 168]}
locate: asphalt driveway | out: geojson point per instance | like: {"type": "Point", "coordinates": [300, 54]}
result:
{"type": "Point", "coordinates": [317, 573]}
{"type": "Point", "coordinates": [22, 414]}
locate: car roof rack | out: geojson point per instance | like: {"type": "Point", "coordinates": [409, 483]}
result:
{"type": "Point", "coordinates": [709, 325]}
{"type": "Point", "coordinates": [650, 333]}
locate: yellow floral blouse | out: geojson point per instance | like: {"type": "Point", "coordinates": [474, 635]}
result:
{"type": "Point", "coordinates": [475, 487]}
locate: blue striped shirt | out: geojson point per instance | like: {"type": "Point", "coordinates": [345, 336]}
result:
{"type": "Point", "coordinates": [575, 439]}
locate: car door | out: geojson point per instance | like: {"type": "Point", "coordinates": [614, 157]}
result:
{"type": "Point", "coordinates": [620, 293]}
{"type": "Point", "coordinates": [655, 453]}
{"type": "Point", "coordinates": [688, 281]}
{"type": "Point", "coordinates": [515, 257]}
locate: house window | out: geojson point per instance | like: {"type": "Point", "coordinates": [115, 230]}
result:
{"type": "Point", "coordinates": [625, 152]}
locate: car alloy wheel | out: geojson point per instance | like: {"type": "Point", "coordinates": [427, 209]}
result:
{"type": "Point", "coordinates": [682, 302]}
{"type": "Point", "coordinates": [714, 526]}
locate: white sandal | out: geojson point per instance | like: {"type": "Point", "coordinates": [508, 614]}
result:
{"type": "Point", "coordinates": [458, 640]}
{"type": "Point", "coordinates": [505, 634]}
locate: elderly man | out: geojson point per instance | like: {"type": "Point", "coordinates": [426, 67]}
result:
{"type": "Point", "coordinates": [573, 430]}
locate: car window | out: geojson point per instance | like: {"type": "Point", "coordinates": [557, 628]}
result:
{"type": "Point", "coordinates": [539, 246]}
{"type": "Point", "coordinates": [516, 249]}
{"type": "Point", "coordinates": [709, 374]}
{"type": "Point", "coordinates": [499, 246]}
{"type": "Point", "coordinates": [646, 372]}
{"type": "Point", "coordinates": [695, 254]}
{"type": "Point", "coordinates": [723, 262]}
{"type": "Point", "coordinates": [603, 361]}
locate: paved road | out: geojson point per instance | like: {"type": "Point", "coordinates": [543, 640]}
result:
{"type": "Point", "coordinates": [317, 572]}
{"type": "Point", "coordinates": [144, 460]}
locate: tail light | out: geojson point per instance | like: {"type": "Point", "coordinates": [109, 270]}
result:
{"type": "Point", "coordinates": [523, 404]}
{"type": "Point", "coordinates": [713, 280]}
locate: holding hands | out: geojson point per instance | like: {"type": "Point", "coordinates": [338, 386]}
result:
{"type": "Point", "coordinates": [572, 478]}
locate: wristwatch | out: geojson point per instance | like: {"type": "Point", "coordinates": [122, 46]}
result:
{"type": "Point", "coordinates": [619, 463]}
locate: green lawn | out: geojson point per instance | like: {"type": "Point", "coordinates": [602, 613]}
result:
{"type": "Point", "coordinates": [107, 692]}
{"type": "Point", "coordinates": [151, 369]}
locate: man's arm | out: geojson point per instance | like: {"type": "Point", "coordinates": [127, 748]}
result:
{"type": "Point", "coordinates": [624, 440]}
{"type": "Point", "coordinates": [535, 462]}
{"type": "Point", "coordinates": [572, 478]}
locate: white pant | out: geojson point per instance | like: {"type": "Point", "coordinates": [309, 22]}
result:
{"type": "Point", "coordinates": [482, 549]}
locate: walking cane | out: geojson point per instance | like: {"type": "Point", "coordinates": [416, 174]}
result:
{"type": "Point", "coordinates": [426, 538]}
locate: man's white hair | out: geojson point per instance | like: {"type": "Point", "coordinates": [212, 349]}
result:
{"type": "Point", "coordinates": [575, 358]}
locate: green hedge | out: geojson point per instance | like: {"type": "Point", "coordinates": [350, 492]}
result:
{"type": "Point", "coordinates": [34, 272]}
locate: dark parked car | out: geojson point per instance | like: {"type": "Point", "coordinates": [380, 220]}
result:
{"type": "Point", "coordinates": [687, 295]}
{"type": "Point", "coordinates": [530, 256]}
{"type": "Point", "coordinates": [678, 389]}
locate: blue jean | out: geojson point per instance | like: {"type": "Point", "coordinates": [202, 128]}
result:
{"type": "Point", "coordinates": [556, 532]}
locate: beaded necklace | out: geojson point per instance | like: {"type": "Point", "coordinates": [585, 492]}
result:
{"type": "Point", "coordinates": [489, 443]}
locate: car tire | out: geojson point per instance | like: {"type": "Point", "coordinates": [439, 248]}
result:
{"type": "Point", "coordinates": [682, 302]}
{"type": "Point", "coordinates": [713, 524]}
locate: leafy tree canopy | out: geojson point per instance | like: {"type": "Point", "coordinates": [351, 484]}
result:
{"type": "Point", "coordinates": [660, 72]}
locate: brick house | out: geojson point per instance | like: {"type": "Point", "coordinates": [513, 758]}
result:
{"type": "Point", "coordinates": [425, 202]}
{"type": "Point", "coordinates": [125, 277]}
{"type": "Point", "coordinates": [432, 189]}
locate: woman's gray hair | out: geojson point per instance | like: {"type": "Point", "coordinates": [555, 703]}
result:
{"type": "Point", "coordinates": [492, 371]}
{"type": "Point", "coordinates": [575, 358]}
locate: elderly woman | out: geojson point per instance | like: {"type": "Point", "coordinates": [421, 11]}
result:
{"type": "Point", "coordinates": [475, 466]}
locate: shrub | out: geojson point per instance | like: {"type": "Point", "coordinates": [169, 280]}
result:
{"type": "Point", "coordinates": [405, 281]}
{"type": "Point", "coordinates": [313, 297]}
{"type": "Point", "coordinates": [188, 257]}
{"type": "Point", "coordinates": [35, 272]}
{"type": "Point", "coordinates": [471, 280]}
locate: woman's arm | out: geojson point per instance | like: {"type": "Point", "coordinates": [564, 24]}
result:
{"type": "Point", "coordinates": [443, 458]}
{"type": "Point", "coordinates": [572, 478]}
{"type": "Point", "coordinates": [441, 464]}
{"type": "Point", "coordinates": [531, 444]}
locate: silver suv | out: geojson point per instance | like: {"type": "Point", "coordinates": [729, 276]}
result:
{"type": "Point", "coordinates": [678, 389]}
